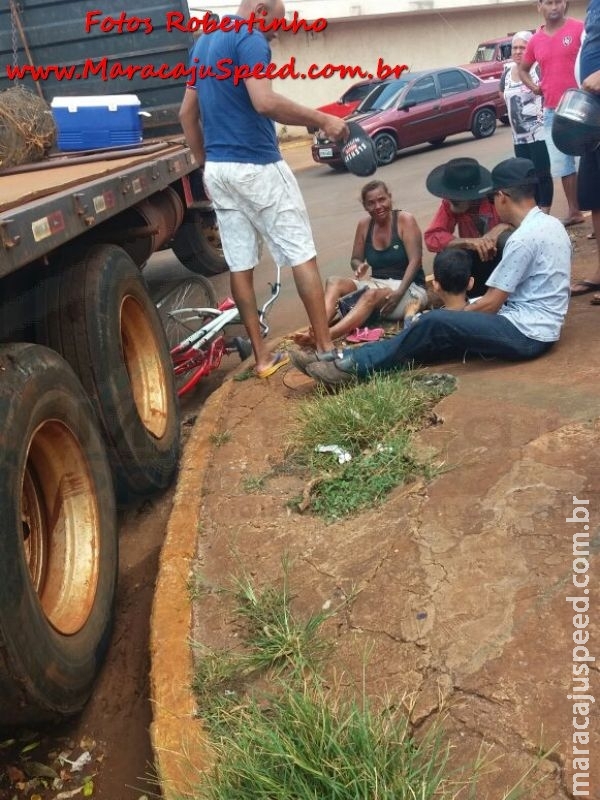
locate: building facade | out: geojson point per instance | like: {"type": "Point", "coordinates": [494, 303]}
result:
{"type": "Point", "coordinates": [443, 34]}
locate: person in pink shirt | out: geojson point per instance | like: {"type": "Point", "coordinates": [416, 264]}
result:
{"type": "Point", "coordinates": [554, 47]}
{"type": "Point", "coordinates": [466, 217]}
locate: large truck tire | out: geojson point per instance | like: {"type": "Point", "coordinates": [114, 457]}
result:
{"type": "Point", "coordinates": [58, 541]}
{"type": "Point", "coordinates": [98, 314]}
{"type": "Point", "coordinates": [197, 243]}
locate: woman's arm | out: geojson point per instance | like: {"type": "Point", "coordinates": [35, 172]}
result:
{"type": "Point", "coordinates": [357, 261]}
{"type": "Point", "coordinates": [410, 233]}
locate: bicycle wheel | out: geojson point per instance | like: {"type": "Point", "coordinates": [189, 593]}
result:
{"type": "Point", "coordinates": [193, 293]}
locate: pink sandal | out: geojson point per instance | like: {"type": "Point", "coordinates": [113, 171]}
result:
{"type": "Point", "coordinates": [365, 335]}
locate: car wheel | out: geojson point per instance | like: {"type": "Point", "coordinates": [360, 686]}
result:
{"type": "Point", "coordinates": [484, 123]}
{"type": "Point", "coordinates": [385, 147]}
{"type": "Point", "coordinates": [437, 142]}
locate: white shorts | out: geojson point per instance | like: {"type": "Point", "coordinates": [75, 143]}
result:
{"type": "Point", "coordinates": [259, 200]}
{"type": "Point", "coordinates": [412, 294]}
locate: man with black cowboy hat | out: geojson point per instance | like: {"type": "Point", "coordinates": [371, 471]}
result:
{"type": "Point", "coordinates": [464, 186]}
{"type": "Point", "coordinates": [518, 318]}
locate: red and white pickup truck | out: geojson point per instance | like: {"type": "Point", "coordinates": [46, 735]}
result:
{"type": "Point", "coordinates": [490, 58]}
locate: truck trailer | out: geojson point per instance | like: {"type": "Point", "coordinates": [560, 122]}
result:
{"type": "Point", "coordinates": [88, 410]}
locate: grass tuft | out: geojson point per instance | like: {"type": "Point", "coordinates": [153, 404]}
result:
{"type": "Point", "coordinates": [306, 744]}
{"type": "Point", "coordinates": [275, 637]}
{"type": "Point", "coordinates": [373, 423]}
{"type": "Point", "coordinates": [220, 438]}
{"type": "Point", "coordinates": [303, 739]}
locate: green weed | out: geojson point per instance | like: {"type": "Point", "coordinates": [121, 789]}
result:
{"type": "Point", "coordinates": [373, 423]}
{"type": "Point", "coordinates": [254, 483]}
{"type": "Point", "coordinates": [303, 739]}
{"type": "Point", "coordinates": [275, 637]}
{"type": "Point", "coordinates": [220, 438]}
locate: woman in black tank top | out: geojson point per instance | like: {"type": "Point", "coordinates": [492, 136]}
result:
{"type": "Point", "coordinates": [386, 261]}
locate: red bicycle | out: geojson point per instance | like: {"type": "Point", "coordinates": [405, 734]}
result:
{"type": "Point", "coordinates": [195, 326]}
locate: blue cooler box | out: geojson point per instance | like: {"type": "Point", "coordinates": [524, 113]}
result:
{"type": "Point", "coordinates": [90, 123]}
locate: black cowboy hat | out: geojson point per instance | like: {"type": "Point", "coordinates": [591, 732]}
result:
{"type": "Point", "coordinates": [358, 152]}
{"type": "Point", "coordinates": [460, 179]}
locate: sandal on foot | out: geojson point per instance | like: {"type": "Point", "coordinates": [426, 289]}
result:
{"type": "Point", "coordinates": [281, 359]}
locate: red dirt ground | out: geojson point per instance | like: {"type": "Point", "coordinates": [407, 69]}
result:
{"type": "Point", "coordinates": [114, 726]}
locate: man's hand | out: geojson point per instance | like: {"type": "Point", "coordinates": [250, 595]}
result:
{"type": "Point", "coordinates": [334, 128]}
{"type": "Point", "coordinates": [484, 247]}
{"type": "Point", "coordinates": [592, 83]}
{"type": "Point", "coordinates": [495, 232]}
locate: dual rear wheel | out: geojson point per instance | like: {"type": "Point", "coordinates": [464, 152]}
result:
{"type": "Point", "coordinates": [59, 562]}
{"type": "Point", "coordinates": [92, 411]}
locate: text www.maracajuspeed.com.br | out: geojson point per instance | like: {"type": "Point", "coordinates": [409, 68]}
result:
{"type": "Point", "coordinates": [224, 69]}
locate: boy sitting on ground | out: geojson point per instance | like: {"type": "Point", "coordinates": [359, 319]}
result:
{"type": "Point", "coordinates": [452, 280]}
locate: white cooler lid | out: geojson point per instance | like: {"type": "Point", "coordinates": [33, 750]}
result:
{"type": "Point", "coordinates": [112, 101]}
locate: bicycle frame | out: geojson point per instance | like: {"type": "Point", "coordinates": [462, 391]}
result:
{"type": "Point", "coordinates": [202, 351]}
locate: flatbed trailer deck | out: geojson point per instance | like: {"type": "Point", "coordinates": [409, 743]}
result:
{"type": "Point", "coordinates": [45, 207]}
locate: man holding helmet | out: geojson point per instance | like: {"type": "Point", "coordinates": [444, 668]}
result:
{"type": "Point", "coordinates": [588, 183]}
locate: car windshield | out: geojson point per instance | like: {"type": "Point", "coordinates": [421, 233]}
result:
{"type": "Point", "coordinates": [383, 96]}
{"type": "Point", "coordinates": [485, 52]}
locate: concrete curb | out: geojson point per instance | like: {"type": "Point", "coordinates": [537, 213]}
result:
{"type": "Point", "coordinates": [181, 751]}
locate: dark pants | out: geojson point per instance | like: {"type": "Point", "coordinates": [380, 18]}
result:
{"type": "Point", "coordinates": [538, 153]}
{"type": "Point", "coordinates": [442, 336]}
{"type": "Point", "coordinates": [588, 181]}
{"type": "Point", "coordinates": [481, 270]}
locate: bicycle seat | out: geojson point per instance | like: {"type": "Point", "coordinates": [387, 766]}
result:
{"type": "Point", "coordinates": [226, 304]}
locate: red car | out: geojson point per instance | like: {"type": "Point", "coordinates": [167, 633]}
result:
{"type": "Point", "coordinates": [421, 107]}
{"type": "Point", "coordinates": [349, 101]}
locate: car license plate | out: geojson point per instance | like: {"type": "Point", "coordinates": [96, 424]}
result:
{"type": "Point", "coordinates": [326, 152]}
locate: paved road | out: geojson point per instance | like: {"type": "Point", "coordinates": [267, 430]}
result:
{"type": "Point", "coordinates": [334, 207]}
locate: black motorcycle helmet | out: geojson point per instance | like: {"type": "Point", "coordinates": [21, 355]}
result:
{"type": "Point", "coordinates": [576, 123]}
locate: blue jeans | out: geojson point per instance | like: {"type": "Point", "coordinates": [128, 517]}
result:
{"type": "Point", "coordinates": [442, 336]}
{"type": "Point", "coordinates": [561, 164]}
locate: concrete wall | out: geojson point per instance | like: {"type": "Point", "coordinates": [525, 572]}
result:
{"type": "Point", "coordinates": [422, 40]}
{"type": "Point", "coordinates": [311, 9]}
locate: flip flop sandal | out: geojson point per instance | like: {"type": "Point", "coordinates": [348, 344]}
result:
{"type": "Point", "coordinates": [595, 301]}
{"type": "Point", "coordinates": [585, 288]}
{"type": "Point", "coordinates": [281, 359]}
{"type": "Point", "coordinates": [591, 235]}
{"type": "Point", "coordinates": [365, 335]}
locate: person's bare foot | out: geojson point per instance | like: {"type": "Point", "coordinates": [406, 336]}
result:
{"type": "Point", "coordinates": [412, 308]}
{"type": "Point", "coordinates": [304, 338]}
{"type": "Point", "coordinates": [576, 219]}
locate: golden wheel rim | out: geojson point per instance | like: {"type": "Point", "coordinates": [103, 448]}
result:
{"type": "Point", "coordinates": [60, 526]}
{"type": "Point", "coordinates": [144, 367]}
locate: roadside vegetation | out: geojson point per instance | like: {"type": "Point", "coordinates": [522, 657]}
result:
{"type": "Point", "coordinates": [358, 445]}
{"type": "Point", "coordinates": [280, 730]}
